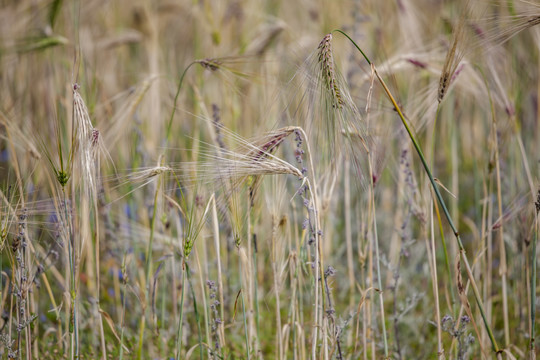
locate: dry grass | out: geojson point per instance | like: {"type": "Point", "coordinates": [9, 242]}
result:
{"type": "Point", "coordinates": [222, 180]}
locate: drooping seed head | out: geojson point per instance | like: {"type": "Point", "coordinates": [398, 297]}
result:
{"type": "Point", "coordinates": [328, 73]}
{"type": "Point", "coordinates": [209, 64]}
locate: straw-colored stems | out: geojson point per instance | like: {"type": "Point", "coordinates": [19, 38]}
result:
{"type": "Point", "coordinates": [434, 281]}
{"type": "Point", "coordinates": [148, 267]}
{"type": "Point", "coordinates": [534, 260]}
{"type": "Point", "coordinates": [348, 235]}
{"type": "Point", "coordinates": [439, 198]}
{"type": "Point", "coordinates": [246, 335]}
{"type": "Point", "coordinates": [195, 309]}
{"type": "Point", "coordinates": [181, 319]}
{"type": "Point", "coordinates": [502, 250]}
{"type": "Point", "coordinates": [73, 317]}
{"type": "Point", "coordinates": [215, 223]}
{"type": "Point", "coordinates": [275, 273]}
{"type": "Point", "coordinates": [203, 290]}
{"type": "Point", "coordinates": [123, 315]}
{"type": "Point", "coordinates": [377, 256]}
{"type": "Point", "coordinates": [437, 211]}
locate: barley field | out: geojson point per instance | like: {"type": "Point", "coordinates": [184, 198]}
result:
{"type": "Point", "coordinates": [269, 179]}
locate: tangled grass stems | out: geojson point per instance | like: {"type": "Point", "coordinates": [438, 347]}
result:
{"type": "Point", "coordinates": [246, 166]}
{"type": "Point", "coordinates": [88, 147]}
{"type": "Point", "coordinates": [191, 230]}
{"type": "Point", "coordinates": [256, 159]}
{"type": "Point", "coordinates": [81, 139]}
{"type": "Point", "coordinates": [128, 105]}
{"type": "Point", "coordinates": [440, 199]}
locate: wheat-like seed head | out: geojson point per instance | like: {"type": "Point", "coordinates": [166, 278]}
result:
{"type": "Point", "coordinates": [326, 61]}
{"type": "Point", "coordinates": [256, 159]}
{"type": "Point", "coordinates": [209, 64]}
{"type": "Point", "coordinates": [86, 141]}
{"type": "Point", "coordinates": [452, 60]}
{"type": "Point", "coordinates": [147, 174]}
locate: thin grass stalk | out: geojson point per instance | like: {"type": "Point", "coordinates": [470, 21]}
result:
{"type": "Point", "coordinates": [255, 292]}
{"type": "Point", "coordinates": [348, 237]}
{"type": "Point", "coordinates": [517, 134]}
{"type": "Point", "coordinates": [244, 279]}
{"type": "Point", "coordinates": [445, 250]}
{"type": "Point", "coordinates": [149, 249]}
{"type": "Point", "coordinates": [97, 266]}
{"type": "Point", "coordinates": [180, 82]}
{"type": "Point", "coordinates": [10, 324]}
{"type": "Point", "coordinates": [254, 340]}
{"type": "Point", "coordinates": [73, 322]}
{"type": "Point", "coordinates": [434, 281]}
{"type": "Point", "coordinates": [293, 306]}
{"type": "Point", "coordinates": [28, 333]}
{"type": "Point", "coordinates": [440, 199]}
{"type": "Point", "coordinates": [215, 223]}
{"type": "Point", "coordinates": [368, 317]}
{"type": "Point", "coordinates": [487, 207]}
{"type": "Point", "coordinates": [318, 253]}
{"type": "Point", "coordinates": [503, 269]}
{"type": "Point", "coordinates": [123, 316]}
{"type": "Point", "coordinates": [174, 282]}
{"type": "Point", "coordinates": [489, 215]}
{"type": "Point", "coordinates": [317, 261]}
{"type": "Point", "coordinates": [533, 281]}
{"type": "Point", "coordinates": [430, 245]}
{"type": "Point", "coordinates": [203, 292]}
{"type": "Point", "coordinates": [377, 257]}
{"type": "Point", "coordinates": [195, 310]}
{"type": "Point", "coordinates": [248, 352]}
{"type": "Point", "coordinates": [439, 220]}
{"type": "Point", "coordinates": [373, 212]}
{"type": "Point", "coordinates": [181, 319]}
{"type": "Point", "coordinates": [148, 267]}
{"type": "Point", "coordinates": [276, 291]}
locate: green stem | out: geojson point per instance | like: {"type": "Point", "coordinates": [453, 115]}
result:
{"type": "Point", "coordinates": [180, 321]}
{"type": "Point", "coordinates": [377, 257]}
{"type": "Point", "coordinates": [439, 221]}
{"type": "Point", "coordinates": [195, 311]}
{"type": "Point", "coordinates": [73, 325]}
{"type": "Point", "coordinates": [169, 125]}
{"type": "Point", "coordinates": [121, 355]}
{"type": "Point", "coordinates": [437, 194]}
{"type": "Point", "coordinates": [533, 286]}
{"type": "Point", "coordinates": [151, 241]}
{"type": "Point", "coordinates": [245, 326]}
{"type": "Point", "coordinates": [148, 270]}
{"type": "Point", "coordinates": [255, 294]}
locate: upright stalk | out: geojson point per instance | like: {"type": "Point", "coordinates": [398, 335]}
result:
{"type": "Point", "coordinates": [312, 187]}
{"type": "Point", "coordinates": [503, 269]}
{"type": "Point", "coordinates": [377, 257]}
{"type": "Point", "coordinates": [181, 320]}
{"type": "Point", "coordinates": [533, 281]}
{"type": "Point", "coordinates": [215, 223]}
{"type": "Point", "coordinates": [142, 323]}
{"type": "Point", "coordinates": [73, 322]}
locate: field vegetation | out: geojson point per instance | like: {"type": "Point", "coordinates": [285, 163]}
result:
{"type": "Point", "coordinates": [269, 179]}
